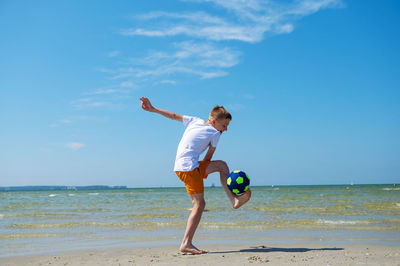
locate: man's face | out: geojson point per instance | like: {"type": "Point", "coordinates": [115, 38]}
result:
{"type": "Point", "coordinates": [221, 125]}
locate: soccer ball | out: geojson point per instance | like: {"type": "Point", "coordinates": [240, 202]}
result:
{"type": "Point", "coordinates": [238, 182]}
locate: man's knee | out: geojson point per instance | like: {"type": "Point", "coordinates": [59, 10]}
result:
{"type": "Point", "coordinates": [218, 166]}
{"type": "Point", "coordinates": [223, 167]}
{"type": "Point", "coordinates": [200, 204]}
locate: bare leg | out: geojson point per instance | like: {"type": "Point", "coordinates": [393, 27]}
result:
{"type": "Point", "coordinates": [223, 169]}
{"type": "Point", "coordinates": [193, 221]}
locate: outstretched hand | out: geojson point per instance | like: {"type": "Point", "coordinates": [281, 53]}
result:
{"type": "Point", "coordinates": [146, 105]}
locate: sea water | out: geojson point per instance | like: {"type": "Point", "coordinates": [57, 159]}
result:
{"type": "Point", "coordinates": [33, 222]}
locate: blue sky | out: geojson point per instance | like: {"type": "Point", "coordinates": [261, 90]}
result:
{"type": "Point", "coordinates": [313, 88]}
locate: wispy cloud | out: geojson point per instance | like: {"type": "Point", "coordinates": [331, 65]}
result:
{"type": "Point", "coordinates": [198, 25]}
{"type": "Point", "coordinates": [75, 145]}
{"type": "Point", "coordinates": [88, 102]}
{"type": "Point", "coordinates": [205, 47]}
{"type": "Point", "coordinates": [108, 91]}
{"type": "Point", "coordinates": [166, 81]}
{"type": "Point", "coordinates": [112, 98]}
{"type": "Point", "coordinates": [208, 51]}
{"type": "Point", "coordinates": [245, 21]}
{"type": "Point", "coordinates": [204, 60]}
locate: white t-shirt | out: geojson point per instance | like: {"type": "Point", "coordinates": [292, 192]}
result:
{"type": "Point", "coordinates": [197, 137]}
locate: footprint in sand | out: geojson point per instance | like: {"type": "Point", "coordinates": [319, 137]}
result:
{"type": "Point", "coordinates": [257, 259]}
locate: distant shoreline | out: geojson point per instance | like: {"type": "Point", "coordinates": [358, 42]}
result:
{"type": "Point", "coordinates": [106, 187]}
{"type": "Point", "coordinates": [57, 188]}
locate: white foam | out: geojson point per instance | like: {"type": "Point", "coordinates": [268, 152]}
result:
{"type": "Point", "coordinates": [398, 204]}
{"type": "Point", "coordinates": [52, 195]}
{"type": "Point", "coordinates": [71, 195]}
{"type": "Point", "coordinates": [340, 222]}
{"type": "Point", "coordinates": [391, 188]}
{"type": "Point", "coordinates": [93, 194]}
{"type": "Point", "coordinates": [1, 216]}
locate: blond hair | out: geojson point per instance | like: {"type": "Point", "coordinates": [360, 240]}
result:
{"type": "Point", "coordinates": [219, 112]}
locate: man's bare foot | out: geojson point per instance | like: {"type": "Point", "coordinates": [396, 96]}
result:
{"type": "Point", "coordinates": [192, 250]}
{"type": "Point", "coordinates": [238, 201]}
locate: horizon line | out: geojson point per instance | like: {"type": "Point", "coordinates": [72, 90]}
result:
{"type": "Point", "coordinates": [122, 187]}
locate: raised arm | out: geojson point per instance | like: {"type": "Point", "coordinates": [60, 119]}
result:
{"type": "Point", "coordinates": [146, 105]}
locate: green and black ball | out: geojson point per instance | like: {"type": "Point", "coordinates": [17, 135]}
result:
{"type": "Point", "coordinates": [238, 182]}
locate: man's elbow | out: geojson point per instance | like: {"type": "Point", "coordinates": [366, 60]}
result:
{"type": "Point", "coordinates": [176, 117]}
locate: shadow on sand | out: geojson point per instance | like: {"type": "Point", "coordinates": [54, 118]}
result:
{"type": "Point", "coordinates": [268, 249]}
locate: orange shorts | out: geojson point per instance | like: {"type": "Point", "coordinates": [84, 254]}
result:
{"type": "Point", "coordinates": [194, 179]}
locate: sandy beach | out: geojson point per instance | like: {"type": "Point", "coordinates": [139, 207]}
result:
{"type": "Point", "coordinates": [298, 254]}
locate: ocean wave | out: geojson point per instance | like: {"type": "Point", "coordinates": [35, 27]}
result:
{"type": "Point", "coordinates": [144, 225]}
{"type": "Point", "coordinates": [15, 236]}
{"type": "Point", "coordinates": [371, 224]}
{"type": "Point", "coordinates": [334, 222]}
{"type": "Point", "coordinates": [47, 215]}
{"type": "Point", "coordinates": [154, 215]}
{"type": "Point", "coordinates": [387, 206]}
{"type": "Point", "coordinates": [340, 209]}
{"type": "Point", "coordinates": [91, 210]}
{"type": "Point", "coordinates": [391, 188]}
{"type": "Point", "coordinates": [302, 224]}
